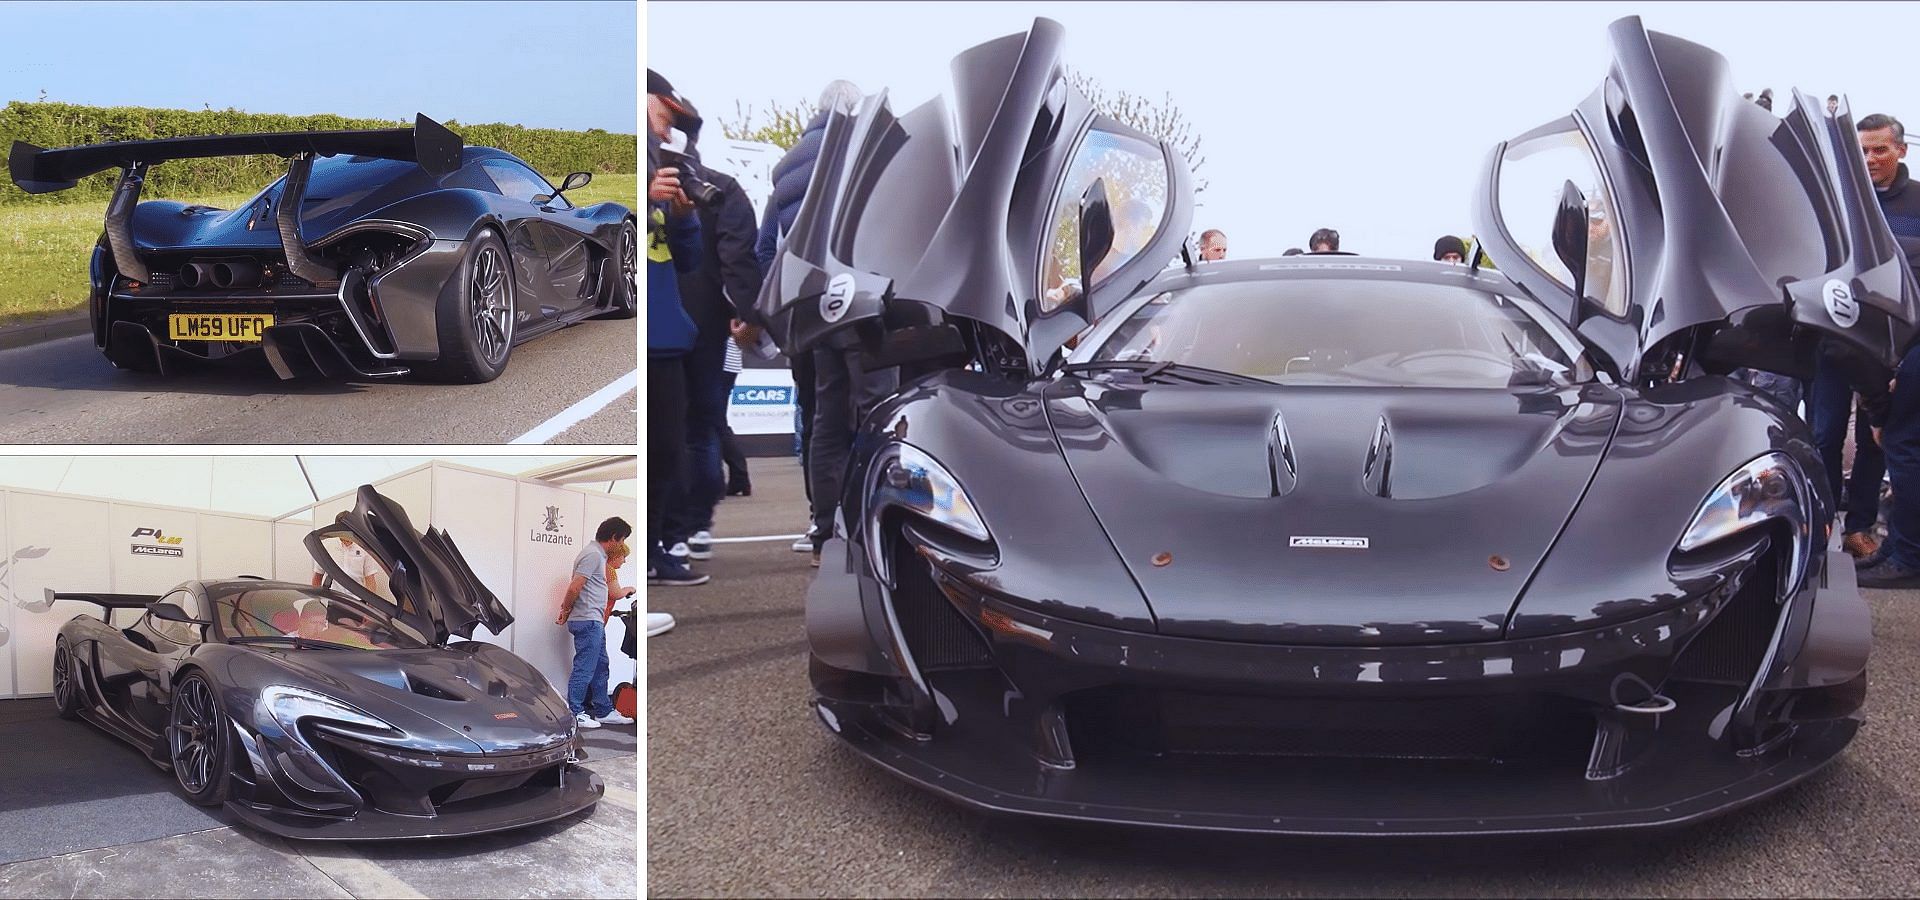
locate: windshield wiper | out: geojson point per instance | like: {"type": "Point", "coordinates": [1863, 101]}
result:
{"type": "Point", "coordinates": [1152, 369]}
{"type": "Point", "coordinates": [299, 643]}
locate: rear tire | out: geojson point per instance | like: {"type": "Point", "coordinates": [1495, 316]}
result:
{"type": "Point", "coordinates": [477, 325]}
{"type": "Point", "coordinates": [198, 741]}
{"type": "Point", "coordinates": [66, 681]}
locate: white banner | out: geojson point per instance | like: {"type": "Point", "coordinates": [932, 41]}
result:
{"type": "Point", "coordinates": [762, 403]}
{"type": "Point", "coordinates": [64, 544]}
{"type": "Point", "coordinates": [550, 528]}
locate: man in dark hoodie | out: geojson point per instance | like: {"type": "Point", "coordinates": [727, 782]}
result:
{"type": "Point", "coordinates": [1896, 564]}
{"type": "Point", "coordinates": [673, 247]}
{"type": "Point", "coordinates": [790, 177]}
{"type": "Point", "coordinates": [721, 290]}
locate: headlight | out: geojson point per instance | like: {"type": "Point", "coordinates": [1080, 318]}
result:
{"type": "Point", "coordinates": [906, 477]}
{"type": "Point", "coordinates": [285, 706]}
{"type": "Point", "coordinates": [1770, 487]}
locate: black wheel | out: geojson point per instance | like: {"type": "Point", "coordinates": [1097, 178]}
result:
{"type": "Point", "coordinates": [66, 681]}
{"type": "Point", "coordinates": [624, 304]}
{"type": "Point", "coordinates": [476, 328]}
{"type": "Point", "coordinates": [197, 741]}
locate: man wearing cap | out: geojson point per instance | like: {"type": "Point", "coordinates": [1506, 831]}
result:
{"type": "Point", "coordinates": [673, 248]}
{"type": "Point", "coordinates": [1450, 249]}
{"type": "Point", "coordinates": [1326, 240]}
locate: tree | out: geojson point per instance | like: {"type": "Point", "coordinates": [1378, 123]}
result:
{"type": "Point", "coordinates": [782, 128]}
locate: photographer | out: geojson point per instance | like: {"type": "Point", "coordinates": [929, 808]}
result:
{"type": "Point", "coordinates": [673, 247]}
{"type": "Point", "coordinates": [720, 291]}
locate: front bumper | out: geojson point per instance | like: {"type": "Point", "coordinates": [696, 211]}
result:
{"type": "Point", "coordinates": [1058, 719]}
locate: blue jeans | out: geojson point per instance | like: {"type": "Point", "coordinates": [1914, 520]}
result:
{"type": "Point", "coordinates": [691, 508]}
{"type": "Point", "coordinates": [587, 686]}
{"type": "Point", "coordinates": [1901, 441]}
{"type": "Point", "coordinates": [1829, 402]}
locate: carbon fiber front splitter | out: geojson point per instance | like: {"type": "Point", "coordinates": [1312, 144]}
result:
{"type": "Point", "coordinates": [1677, 782]}
{"type": "Point", "coordinates": [579, 789]}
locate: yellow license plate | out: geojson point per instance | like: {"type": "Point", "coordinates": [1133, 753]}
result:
{"type": "Point", "coordinates": [218, 326]}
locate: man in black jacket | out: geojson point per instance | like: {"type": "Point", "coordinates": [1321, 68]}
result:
{"type": "Point", "coordinates": [721, 290]}
{"type": "Point", "coordinates": [1897, 562]}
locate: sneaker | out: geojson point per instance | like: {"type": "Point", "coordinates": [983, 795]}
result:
{"type": "Point", "coordinates": [1890, 574]}
{"type": "Point", "coordinates": [804, 543]}
{"type": "Point", "coordinates": [1859, 544]}
{"type": "Point", "coordinates": [583, 720]}
{"type": "Point", "coordinates": [615, 718]}
{"type": "Point", "coordinates": [679, 551]}
{"type": "Point", "coordinates": [674, 573]}
{"type": "Point", "coordinates": [700, 546]}
{"type": "Point", "coordinates": [658, 623]}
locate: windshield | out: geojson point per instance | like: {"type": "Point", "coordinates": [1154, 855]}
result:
{"type": "Point", "coordinates": [1350, 332]}
{"type": "Point", "coordinates": [315, 614]}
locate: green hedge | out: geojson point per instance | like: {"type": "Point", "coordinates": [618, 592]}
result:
{"type": "Point", "coordinates": [553, 152]}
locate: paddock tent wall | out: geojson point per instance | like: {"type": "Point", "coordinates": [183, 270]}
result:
{"type": "Point", "coordinates": [65, 542]}
{"type": "Point", "coordinates": [520, 535]}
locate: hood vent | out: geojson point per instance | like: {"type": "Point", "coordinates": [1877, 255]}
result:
{"type": "Point", "coordinates": [1379, 461]}
{"type": "Point", "coordinates": [427, 688]}
{"type": "Point", "coordinates": [1280, 462]}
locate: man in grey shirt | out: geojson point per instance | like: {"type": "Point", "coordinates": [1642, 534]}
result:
{"type": "Point", "coordinates": [583, 611]}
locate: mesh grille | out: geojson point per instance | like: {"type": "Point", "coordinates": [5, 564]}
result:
{"type": "Point", "coordinates": [937, 634]}
{"type": "Point", "coordinates": [1730, 648]}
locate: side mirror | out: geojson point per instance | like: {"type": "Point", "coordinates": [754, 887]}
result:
{"type": "Point", "coordinates": [1096, 230]}
{"type": "Point", "coordinates": [575, 180]}
{"type": "Point", "coordinates": [1570, 243]}
{"type": "Point", "coordinates": [172, 613]}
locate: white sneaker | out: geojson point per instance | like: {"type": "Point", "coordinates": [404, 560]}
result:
{"type": "Point", "coordinates": [678, 551]}
{"type": "Point", "coordinates": [659, 623]}
{"type": "Point", "coordinates": [615, 718]}
{"type": "Point", "coordinates": [700, 546]}
{"type": "Point", "coordinates": [804, 544]}
{"type": "Point", "coordinates": [586, 721]}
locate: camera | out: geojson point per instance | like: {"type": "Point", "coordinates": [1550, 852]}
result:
{"type": "Point", "coordinates": [678, 155]}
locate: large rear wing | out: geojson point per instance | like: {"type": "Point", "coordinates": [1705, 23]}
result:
{"type": "Point", "coordinates": [39, 171]}
{"type": "Point", "coordinates": [107, 602]}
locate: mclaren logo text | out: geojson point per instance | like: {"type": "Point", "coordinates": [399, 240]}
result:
{"type": "Point", "coordinates": [1337, 543]}
{"type": "Point", "coordinates": [147, 550]}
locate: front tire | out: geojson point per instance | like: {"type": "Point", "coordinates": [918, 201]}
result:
{"type": "Point", "coordinates": [198, 744]}
{"type": "Point", "coordinates": [66, 681]}
{"type": "Point", "coordinates": [625, 302]}
{"type": "Point", "coordinates": [476, 330]}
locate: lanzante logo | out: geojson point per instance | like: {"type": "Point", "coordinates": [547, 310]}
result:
{"type": "Point", "coordinates": [549, 531]}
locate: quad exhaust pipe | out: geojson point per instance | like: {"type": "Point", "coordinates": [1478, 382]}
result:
{"type": "Point", "coordinates": [196, 275]}
{"type": "Point", "coordinates": [232, 273]}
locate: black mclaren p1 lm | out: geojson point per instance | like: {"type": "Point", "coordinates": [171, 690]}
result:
{"type": "Point", "coordinates": [1329, 544]}
{"type": "Point", "coordinates": [379, 253]}
{"type": "Point", "coordinates": [345, 711]}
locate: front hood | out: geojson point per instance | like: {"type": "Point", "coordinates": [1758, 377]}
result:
{"type": "Point", "coordinates": [467, 698]}
{"type": "Point", "coordinates": [1208, 492]}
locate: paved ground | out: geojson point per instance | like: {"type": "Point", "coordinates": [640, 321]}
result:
{"type": "Point", "coordinates": [65, 392]}
{"type": "Point", "coordinates": [593, 854]}
{"type": "Point", "coordinates": [747, 793]}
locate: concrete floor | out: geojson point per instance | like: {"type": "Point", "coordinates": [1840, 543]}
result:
{"type": "Point", "coordinates": [592, 854]}
{"type": "Point", "coordinates": [749, 795]}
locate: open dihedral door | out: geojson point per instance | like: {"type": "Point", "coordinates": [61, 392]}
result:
{"type": "Point", "coordinates": [972, 211]}
{"type": "Point", "coordinates": [423, 580]}
{"type": "Point", "coordinates": [1718, 234]}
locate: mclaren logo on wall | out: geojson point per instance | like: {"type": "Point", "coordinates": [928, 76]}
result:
{"type": "Point", "coordinates": [549, 530]}
{"type": "Point", "coordinates": [157, 544]}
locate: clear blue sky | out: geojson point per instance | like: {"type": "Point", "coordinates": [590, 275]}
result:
{"type": "Point", "coordinates": [546, 65]}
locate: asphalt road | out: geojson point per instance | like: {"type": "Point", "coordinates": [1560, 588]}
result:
{"type": "Point", "coordinates": [65, 392]}
{"type": "Point", "coordinates": [748, 795]}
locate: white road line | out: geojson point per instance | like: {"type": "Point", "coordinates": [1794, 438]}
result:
{"type": "Point", "coordinates": [759, 537]}
{"type": "Point", "coordinates": [355, 874]}
{"type": "Point", "coordinates": [577, 413]}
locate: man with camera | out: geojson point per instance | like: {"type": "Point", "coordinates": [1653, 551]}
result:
{"type": "Point", "coordinates": [715, 295]}
{"type": "Point", "coordinates": [674, 246]}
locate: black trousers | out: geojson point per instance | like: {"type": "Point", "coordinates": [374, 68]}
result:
{"type": "Point", "coordinates": [843, 395]}
{"type": "Point", "coordinates": [729, 447]}
{"type": "Point", "coordinates": [803, 398]}
{"type": "Point", "coordinates": [666, 444]}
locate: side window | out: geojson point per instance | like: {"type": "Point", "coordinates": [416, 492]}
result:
{"type": "Point", "coordinates": [179, 632]}
{"type": "Point", "coordinates": [1136, 180]}
{"type": "Point", "coordinates": [518, 181]}
{"type": "Point", "coordinates": [1532, 175]}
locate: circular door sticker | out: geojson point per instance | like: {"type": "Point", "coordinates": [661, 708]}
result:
{"type": "Point", "coordinates": [1840, 303]}
{"type": "Point", "coordinates": [839, 296]}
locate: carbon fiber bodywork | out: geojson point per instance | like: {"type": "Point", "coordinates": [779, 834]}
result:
{"type": "Point", "coordinates": [363, 279]}
{"type": "Point", "coordinates": [1100, 588]}
{"type": "Point", "coordinates": [455, 737]}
